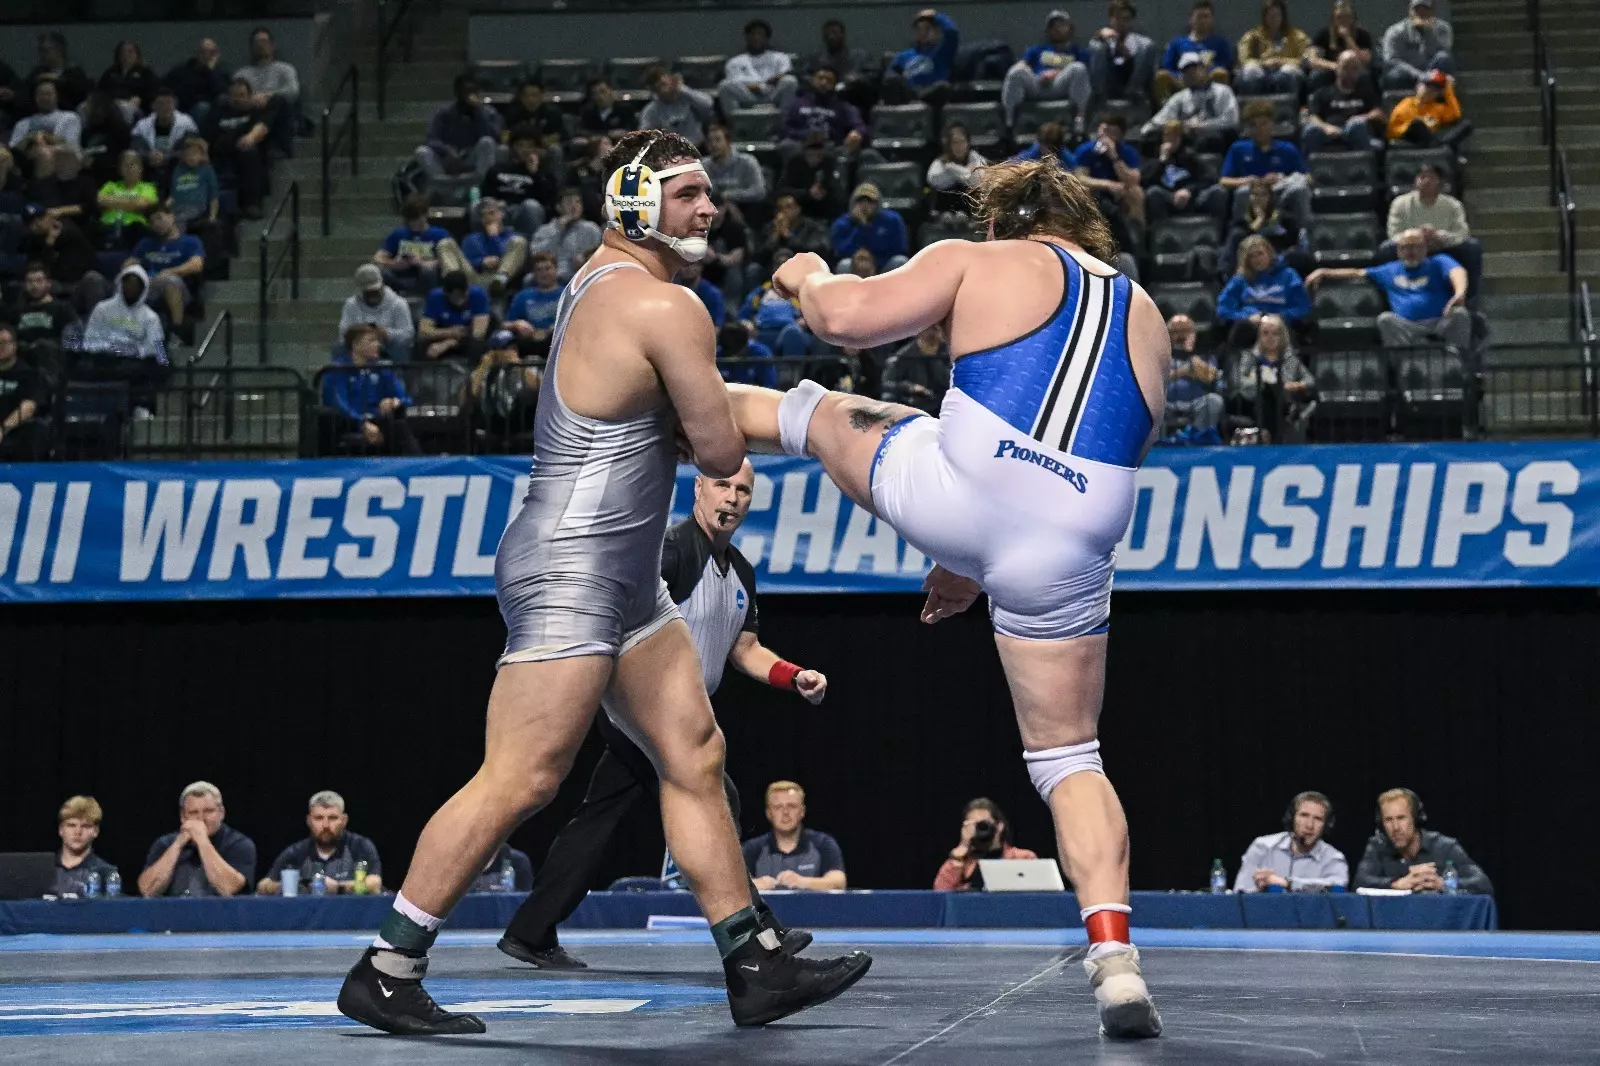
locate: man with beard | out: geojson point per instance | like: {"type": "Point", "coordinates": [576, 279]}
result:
{"type": "Point", "coordinates": [330, 846]}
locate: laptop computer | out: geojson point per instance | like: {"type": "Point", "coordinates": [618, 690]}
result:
{"type": "Point", "coordinates": [26, 874]}
{"type": "Point", "coordinates": [1021, 875]}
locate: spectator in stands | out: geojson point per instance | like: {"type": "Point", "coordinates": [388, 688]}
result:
{"type": "Point", "coordinates": [1276, 223]}
{"type": "Point", "coordinates": [463, 136]}
{"type": "Point", "coordinates": [868, 224]}
{"type": "Point", "coordinates": [124, 324]}
{"type": "Point", "coordinates": [863, 264]}
{"type": "Point", "coordinates": [1214, 51]}
{"type": "Point", "coordinates": [758, 76]}
{"type": "Point", "coordinates": [49, 125]}
{"type": "Point", "coordinates": [1057, 69]}
{"type": "Point", "coordinates": [1401, 854]}
{"type": "Point", "coordinates": [919, 371]}
{"type": "Point", "coordinates": [237, 134]}
{"type": "Point", "coordinates": [1110, 166]}
{"type": "Point", "coordinates": [601, 113]}
{"type": "Point", "coordinates": [675, 107]}
{"type": "Point", "coordinates": [1258, 154]}
{"type": "Point", "coordinates": [527, 190]}
{"type": "Point", "coordinates": [1427, 295]}
{"type": "Point", "coordinates": [455, 319]}
{"type": "Point", "coordinates": [492, 256]}
{"type": "Point", "coordinates": [199, 80]}
{"type": "Point", "coordinates": [10, 102]}
{"type": "Point", "coordinates": [1049, 139]}
{"type": "Point", "coordinates": [492, 879]}
{"type": "Point", "coordinates": [205, 857]}
{"type": "Point", "coordinates": [985, 834]}
{"type": "Point", "coordinates": [125, 203]}
{"type": "Point", "coordinates": [78, 825]}
{"type": "Point", "coordinates": [159, 134]}
{"type": "Point", "coordinates": [1208, 109]}
{"type": "Point", "coordinates": [569, 236]}
{"type": "Point", "coordinates": [1441, 219]}
{"type": "Point", "coordinates": [409, 256]}
{"type": "Point", "coordinates": [823, 109]}
{"type": "Point", "coordinates": [952, 175]}
{"type": "Point", "coordinates": [692, 276]}
{"type": "Point", "coordinates": [792, 856]}
{"type": "Point", "coordinates": [375, 304]}
{"type": "Point", "coordinates": [176, 263]}
{"type": "Point", "coordinates": [13, 187]}
{"type": "Point", "coordinates": [1432, 116]}
{"type": "Point", "coordinates": [23, 436]}
{"type": "Point", "coordinates": [1263, 285]}
{"type": "Point", "coordinates": [105, 136]}
{"type": "Point", "coordinates": [59, 244]}
{"type": "Point", "coordinates": [854, 70]}
{"type": "Point", "coordinates": [62, 187]}
{"type": "Point", "coordinates": [331, 848]}
{"type": "Point", "coordinates": [1272, 55]}
{"type": "Point", "coordinates": [1415, 45]}
{"type": "Point", "coordinates": [793, 230]}
{"type": "Point", "coordinates": [728, 262]}
{"type": "Point", "coordinates": [734, 342]}
{"type": "Point", "coordinates": [1345, 112]}
{"type": "Point", "coordinates": [368, 402]}
{"type": "Point", "coordinates": [924, 69]}
{"type": "Point", "coordinates": [532, 314]}
{"type": "Point", "coordinates": [1122, 63]}
{"type": "Point", "coordinates": [1194, 381]}
{"type": "Point", "coordinates": [72, 84]}
{"type": "Point", "coordinates": [735, 175]}
{"type": "Point", "coordinates": [529, 110]}
{"type": "Point", "coordinates": [1297, 859]}
{"type": "Point", "coordinates": [588, 175]}
{"type": "Point", "coordinates": [128, 80]}
{"type": "Point", "coordinates": [39, 318]}
{"type": "Point", "coordinates": [1342, 34]}
{"type": "Point", "coordinates": [812, 178]}
{"type": "Point", "coordinates": [504, 400]}
{"type": "Point", "coordinates": [1271, 384]}
{"type": "Point", "coordinates": [194, 194]}
{"type": "Point", "coordinates": [274, 87]}
{"type": "Point", "coordinates": [1178, 181]}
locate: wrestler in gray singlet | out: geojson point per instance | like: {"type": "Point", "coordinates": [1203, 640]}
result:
{"type": "Point", "coordinates": [578, 571]}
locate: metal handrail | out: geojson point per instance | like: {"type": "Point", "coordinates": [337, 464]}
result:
{"type": "Point", "coordinates": [1567, 223]}
{"type": "Point", "coordinates": [195, 403]}
{"type": "Point", "coordinates": [269, 268]}
{"type": "Point", "coordinates": [387, 26]}
{"type": "Point", "coordinates": [331, 144]}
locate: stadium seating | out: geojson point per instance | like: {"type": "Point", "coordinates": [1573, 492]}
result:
{"type": "Point", "coordinates": [1353, 401]}
{"type": "Point", "coordinates": [1343, 181]}
{"type": "Point", "coordinates": [1345, 240]}
{"type": "Point", "coordinates": [903, 131]}
{"type": "Point", "coordinates": [985, 123]}
{"type": "Point", "coordinates": [1184, 247]}
{"type": "Point", "coordinates": [499, 78]}
{"type": "Point", "coordinates": [1196, 299]}
{"type": "Point", "coordinates": [702, 72]}
{"type": "Point", "coordinates": [627, 77]}
{"type": "Point", "coordinates": [566, 80]}
{"type": "Point", "coordinates": [1347, 313]}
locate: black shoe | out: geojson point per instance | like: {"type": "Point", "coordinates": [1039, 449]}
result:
{"type": "Point", "coordinates": [794, 940]}
{"type": "Point", "coordinates": [551, 958]}
{"type": "Point", "coordinates": [399, 1004]}
{"type": "Point", "coordinates": [764, 985]}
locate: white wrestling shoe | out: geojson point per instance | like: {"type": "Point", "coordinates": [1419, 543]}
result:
{"type": "Point", "coordinates": [1126, 1010]}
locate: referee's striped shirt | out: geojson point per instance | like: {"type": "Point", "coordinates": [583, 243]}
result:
{"type": "Point", "coordinates": [717, 600]}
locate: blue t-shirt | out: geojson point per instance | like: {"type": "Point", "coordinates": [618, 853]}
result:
{"type": "Point", "coordinates": [1416, 293]}
{"type": "Point", "coordinates": [814, 855]}
{"type": "Point", "coordinates": [1098, 163]}
{"type": "Point", "coordinates": [441, 312]}
{"type": "Point", "coordinates": [537, 307]}
{"type": "Point", "coordinates": [1035, 151]}
{"type": "Point", "coordinates": [156, 256]}
{"type": "Point", "coordinates": [1245, 160]}
{"type": "Point", "coordinates": [479, 246]}
{"type": "Point", "coordinates": [1043, 57]}
{"type": "Point", "coordinates": [1216, 52]}
{"type": "Point", "coordinates": [403, 239]}
{"type": "Point", "coordinates": [193, 189]}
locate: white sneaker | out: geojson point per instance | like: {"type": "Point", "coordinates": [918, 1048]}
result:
{"type": "Point", "coordinates": [1126, 1010]}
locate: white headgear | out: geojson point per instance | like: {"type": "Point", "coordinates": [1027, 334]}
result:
{"type": "Point", "coordinates": [633, 204]}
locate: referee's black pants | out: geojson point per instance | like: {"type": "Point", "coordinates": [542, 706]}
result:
{"type": "Point", "coordinates": [623, 776]}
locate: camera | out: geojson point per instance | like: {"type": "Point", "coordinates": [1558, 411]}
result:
{"type": "Point", "coordinates": [983, 836]}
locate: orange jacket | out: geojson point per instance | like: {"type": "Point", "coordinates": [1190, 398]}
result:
{"type": "Point", "coordinates": [1435, 115]}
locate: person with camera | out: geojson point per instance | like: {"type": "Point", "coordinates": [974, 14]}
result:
{"type": "Point", "coordinates": [985, 834]}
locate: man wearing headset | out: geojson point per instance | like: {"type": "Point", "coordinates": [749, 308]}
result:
{"type": "Point", "coordinates": [1401, 854]}
{"type": "Point", "coordinates": [630, 382]}
{"type": "Point", "coordinates": [1297, 859]}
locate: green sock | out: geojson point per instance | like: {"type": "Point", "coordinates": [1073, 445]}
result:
{"type": "Point", "coordinates": [406, 936]}
{"type": "Point", "coordinates": [732, 932]}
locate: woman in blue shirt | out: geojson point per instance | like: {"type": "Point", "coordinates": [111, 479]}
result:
{"type": "Point", "coordinates": [1263, 285]}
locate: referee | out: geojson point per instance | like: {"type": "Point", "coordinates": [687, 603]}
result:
{"type": "Point", "coordinates": [715, 588]}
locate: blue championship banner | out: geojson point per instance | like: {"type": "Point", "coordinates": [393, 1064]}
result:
{"type": "Point", "coordinates": [1218, 518]}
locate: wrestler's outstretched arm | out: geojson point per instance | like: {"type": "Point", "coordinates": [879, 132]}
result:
{"type": "Point", "coordinates": [854, 312]}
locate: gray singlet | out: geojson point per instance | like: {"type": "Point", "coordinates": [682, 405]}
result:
{"type": "Point", "coordinates": [578, 571]}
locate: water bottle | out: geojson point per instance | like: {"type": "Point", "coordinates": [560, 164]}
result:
{"type": "Point", "coordinates": [1452, 880]}
{"type": "Point", "coordinates": [319, 882]}
{"type": "Point", "coordinates": [91, 886]}
{"type": "Point", "coordinates": [508, 877]}
{"type": "Point", "coordinates": [113, 885]}
{"type": "Point", "coordinates": [361, 878]}
{"type": "Point", "coordinates": [1219, 877]}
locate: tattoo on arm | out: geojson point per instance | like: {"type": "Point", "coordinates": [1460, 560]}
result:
{"type": "Point", "coordinates": [866, 417]}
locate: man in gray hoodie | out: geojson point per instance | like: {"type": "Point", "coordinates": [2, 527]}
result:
{"type": "Point", "coordinates": [1415, 45]}
{"type": "Point", "coordinates": [273, 83]}
{"type": "Point", "coordinates": [124, 324]}
{"type": "Point", "coordinates": [675, 106]}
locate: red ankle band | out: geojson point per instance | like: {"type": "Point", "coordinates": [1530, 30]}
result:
{"type": "Point", "coordinates": [1107, 925]}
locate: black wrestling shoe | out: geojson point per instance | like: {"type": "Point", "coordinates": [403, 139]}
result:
{"type": "Point", "coordinates": [386, 993]}
{"type": "Point", "coordinates": [551, 958]}
{"type": "Point", "coordinates": [765, 985]}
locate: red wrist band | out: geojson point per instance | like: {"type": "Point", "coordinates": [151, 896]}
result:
{"type": "Point", "coordinates": [782, 674]}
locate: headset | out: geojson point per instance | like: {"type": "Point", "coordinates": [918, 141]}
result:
{"type": "Point", "coordinates": [633, 204]}
{"type": "Point", "coordinates": [1419, 813]}
{"type": "Point", "coordinates": [1315, 797]}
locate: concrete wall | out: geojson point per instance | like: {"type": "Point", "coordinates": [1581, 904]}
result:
{"type": "Point", "coordinates": [876, 27]}
{"type": "Point", "coordinates": [165, 44]}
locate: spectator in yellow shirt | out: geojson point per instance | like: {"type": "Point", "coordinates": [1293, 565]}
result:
{"type": "Point", "coordinates": [1272, 56]}
{"type": "Point", "coordinates": [1432, 116]}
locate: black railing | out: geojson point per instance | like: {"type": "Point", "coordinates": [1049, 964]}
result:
{"type": "Point", "coordinates": [1544, 398]}
{"type": "Point", "coordinates": [391, 22]}
{"type": "Point", "coordinates": [1567, 221]}
{"type": "Point", "coordinates": [198, 401]}
{"type": "Point", "coordinates": [271, 267]}
{"type": "Point", "coordinates": [349, 135]}
{"type": "Point", "coordinates": [235, 412]}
